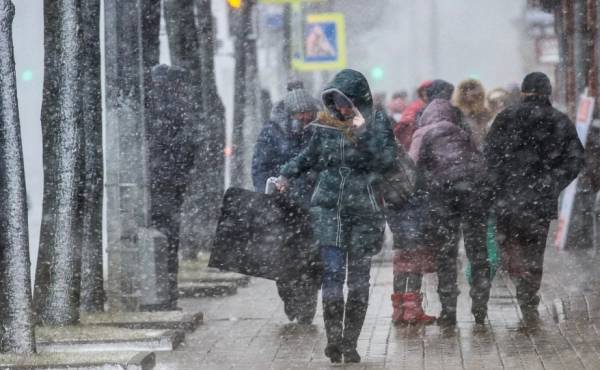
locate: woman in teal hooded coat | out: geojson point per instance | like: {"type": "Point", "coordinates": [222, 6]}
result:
{"type": "Point", "coordinates": [352, 146]}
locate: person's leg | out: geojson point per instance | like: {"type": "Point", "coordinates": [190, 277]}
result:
{"type": "Point", "coordinates": [334, 274]}
{"type": "Point", "coordinates": [474, 232]}
{"type": "Point", "coordinates": [359, 268]}
{"type": "Point", "coordinates": [285, 290]}
{"type": "Point", "coordinates": [310, 274]}
{"type": "Point", "coordinates": [443, 229]}
{"type": "Point", "coordinates": [523, 244]}
{"type": "Point", "coordinates": [404, 281]}
{"type": "Point", "coordinates": [407, 282]}
{"type": "Point", "coordinates": [164, 218]}
{"type": "Point", "coordinates": [307, 300]}
{"type": "Point", "coordinates": [528, 285]}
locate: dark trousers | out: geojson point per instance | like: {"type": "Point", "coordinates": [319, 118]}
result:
{"type": "Point", "coordinates": [522, 243]}
{"type": "Point", "coordinates": [344, 321]}
{"type": "Point", "coordinates": [165, 216]}
{"type": "Point", "coordinates": [453, 209]}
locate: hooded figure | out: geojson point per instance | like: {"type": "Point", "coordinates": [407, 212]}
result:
{"type": "Point", "coordinates": [532, 153]}
{"type": "Point", "coordinates": [450, 171]}
{"type": "Point", "coordinates": [282, 138]}
{"type": "Point", "coordinates": [171, 151]}
{"type": "Point", "coordinates": [351, 148]}
{"type": "Point", "coordinates": [439, 89]}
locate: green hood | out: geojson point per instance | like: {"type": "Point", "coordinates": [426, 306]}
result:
{"type": "Point", "coordinates": [354, 86]}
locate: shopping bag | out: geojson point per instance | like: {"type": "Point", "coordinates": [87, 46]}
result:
{"type": "Point", "coordinates": [253, 232]}
{"type": "Point", "coordinates": [492, 249]}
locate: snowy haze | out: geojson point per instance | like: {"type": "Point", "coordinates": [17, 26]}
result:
{"type": "Point", "coordinates": [474, 37]}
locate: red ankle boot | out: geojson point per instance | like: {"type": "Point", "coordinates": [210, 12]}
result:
{"type": "Point", "coordinates": [397, 305]}
{"type": "Point", "coordinates": [412, 313]}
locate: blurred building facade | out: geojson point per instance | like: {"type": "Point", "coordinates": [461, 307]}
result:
{"type": "Point", "coordinates": [570, 37]}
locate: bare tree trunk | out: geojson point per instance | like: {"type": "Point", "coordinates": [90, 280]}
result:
{"type": "Point", "coordinates": [203, 198]}
{"type": "Point", "coordinates": [183, 41]}
{"type": "Point", "coordinates": [247, 113]}
{"type": "Point", "coordinates": [151, 11]}
{"type": "Point", "coordinates": [92, 290]}
{"type": "Point", "coordinates": [127, 183]}
{"type": "Point", "coordinates": [192, 47]}
{"type": "Point", "coordinates": [16, 329]}
{"type": "Point", "coordinates": [243, 29]}
{"type": "Point", "coordinates": [58, 275]}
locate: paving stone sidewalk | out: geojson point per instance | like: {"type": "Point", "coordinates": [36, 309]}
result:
{"type": "Point", "coordinates": [250, 331]}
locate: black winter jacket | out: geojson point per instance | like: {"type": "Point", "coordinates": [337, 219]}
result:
{"type": "Point", "coordinates": [532, 153]}
{"type": "Point", "coordinates": [274, 148]}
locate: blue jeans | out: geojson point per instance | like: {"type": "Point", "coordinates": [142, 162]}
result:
{"type": "Point", "coordinates": [335, 263]}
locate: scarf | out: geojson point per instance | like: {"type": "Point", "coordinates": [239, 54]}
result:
{"type": "Point", "coordinates": [327, 119]}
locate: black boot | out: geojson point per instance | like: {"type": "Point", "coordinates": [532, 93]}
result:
{"type": "Point", "coordinates": [479, 315]}
{"type": "Point", "coordinates": [480, 291]}
{"type": "Point", "coordinates": [447, 318]}
{"type": "Point", "coordinates": [356, 310]}
{"type": "Point", "coordinates": [286, 291]}
{"type": "Point", "coordinates": [307, 303]}
{"type": "Point", "coordinates": [528, 302]}
{"type": "Point", "coordinates": [531, 316]}
{"type": "Point", "coordinates": [448, 314]}
{"type": "Point", "coordinates": [333, 315]}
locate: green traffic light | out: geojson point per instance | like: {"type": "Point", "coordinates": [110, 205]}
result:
{"type": "Point", "coordinates": [27, 75]}
{"type": "Point", "coordinates": [377, 73]}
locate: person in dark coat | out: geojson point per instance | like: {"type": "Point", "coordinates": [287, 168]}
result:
{"type": "Point", "coordinates": [282, 138]}
{"type": "Point", "coordinates": [171, 151]}
{"type": "Point", "coordinates": [352, 147]}
{"type": "Point", "coordinates": [532, 153]}
{"type": "Point", "coordinates": [450, 170]}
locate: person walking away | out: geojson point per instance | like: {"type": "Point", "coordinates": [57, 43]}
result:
{"type": "Point", "coordinates": [469, 97]}
{"type": "Point", "coordinates": [450, 171]}
{"type": "Point", "coordinates": [353, 145]}
{"type": "Point", "coordinates": [171, 150]}
{"type": "Point", "coordinates": [405, 126]}
{"type": "Point", "coordinates": [532, 153]}
{"type": "Point", "coordinates": [282, 138]}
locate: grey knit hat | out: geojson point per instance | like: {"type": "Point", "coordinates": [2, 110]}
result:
{"type": "Point", "coordinates": [298, 100]}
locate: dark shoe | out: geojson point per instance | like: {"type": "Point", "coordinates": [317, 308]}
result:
{"type": "Point", "coordinates": [333, 316]}
{"type": "Point", "coordinates": [447, 318]}
{"type": "Point", "coordinates": [479, 316]}
{"type": "Point", "coordinates": [334, 353]}
{"type": "Point", "coordinates": [305, 320]}
{"type": "Point", "coordinates": [531, 316]}
{"type": "Point", "coordinates": [351, 356]}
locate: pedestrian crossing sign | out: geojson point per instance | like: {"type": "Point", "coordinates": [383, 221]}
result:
{"type": "Point", "coordinates": [323, 45]}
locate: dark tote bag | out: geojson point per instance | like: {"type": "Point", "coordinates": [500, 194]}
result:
{"type": "Point", "coordinates": [398, 183]}
{"type": "Point", "coordinates": [254, 232]}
